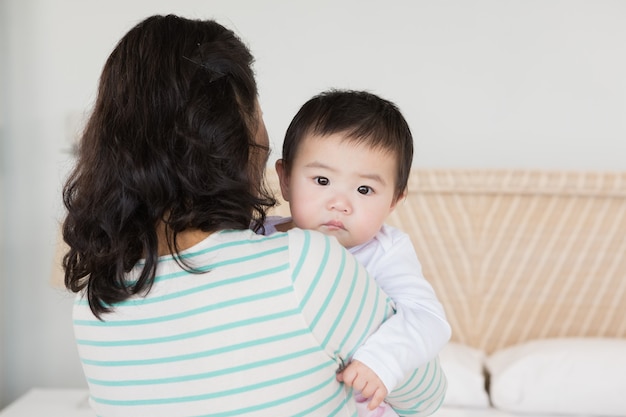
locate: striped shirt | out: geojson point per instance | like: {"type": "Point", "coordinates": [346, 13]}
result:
{"type": "Point", "coordinates": [260, 333]}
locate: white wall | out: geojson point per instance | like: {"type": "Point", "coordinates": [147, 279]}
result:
{"type": "Point", "coordinates": [487, 83]}
{"type": "Point", "coordinates": [3, 62]}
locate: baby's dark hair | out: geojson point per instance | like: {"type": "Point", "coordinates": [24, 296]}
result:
{"type": "Point", "coordinates": [169, 142]}
{"type": "Point", "coordinates": [363, 117]}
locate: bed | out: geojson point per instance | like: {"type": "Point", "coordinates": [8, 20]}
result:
{"type": "Point", "coordinates": [531, 268]}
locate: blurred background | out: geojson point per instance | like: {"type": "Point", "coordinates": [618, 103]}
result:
{"type": "Point", "coordinates": [534, 84]}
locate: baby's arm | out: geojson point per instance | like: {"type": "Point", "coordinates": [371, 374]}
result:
{"type": "Point", "coordinates": [419, 329]}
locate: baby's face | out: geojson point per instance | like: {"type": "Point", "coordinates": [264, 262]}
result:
{"type": "Point", "coordinates": [340, 188]}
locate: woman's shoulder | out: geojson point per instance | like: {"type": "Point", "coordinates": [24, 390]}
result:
{"type": "Point", "coordinates": [316, 251]}
{"type": "Point", "coordinates": [305, 247]}
{"type": "Point", "coordinates": [312, 238]}
{"type": "Point", "coordinates": [294, 238]}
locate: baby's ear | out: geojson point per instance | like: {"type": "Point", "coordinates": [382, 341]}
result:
{"type": "Point", "coordinates": [395, 202]}
{"type": "Point", "coordinates": [283, 178]}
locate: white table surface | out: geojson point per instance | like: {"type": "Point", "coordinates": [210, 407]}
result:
{"type": "Point", "coordinates": [50, 403]}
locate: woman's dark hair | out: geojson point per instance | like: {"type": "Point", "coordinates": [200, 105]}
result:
{"type": "Point", "coordinates": [170, 144]}
{"type": "Point", "coordinates": [363, 117]}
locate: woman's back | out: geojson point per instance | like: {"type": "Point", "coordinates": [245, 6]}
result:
{"type": "Point", "coordinates": [171, 161]}
{"type": "Point", "coordinates": [260, 334]}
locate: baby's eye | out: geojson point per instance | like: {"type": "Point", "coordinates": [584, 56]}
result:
{"type": "Point", "coordinates": [321, 180]}
{"type": "Point", "coordinates": [365, 190]}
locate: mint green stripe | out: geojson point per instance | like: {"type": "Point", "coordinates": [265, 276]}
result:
{"type": "Point", "coordinates": [438, 406]}
{"type": "Point", "coordinates": [230, 261]}
{"type": "Point", "coordinates": [370, 321]}
{"type": "Point", "coordinates": [219, 394]}
{"type": "Point", "coordinates": [244, 241]}
{"type": "Point", "coordinates": [345, 305]}
{"type": "Point", "coordinates": [281, 401]}
{"type": "Point", "coordinates": [188, 313]}
{"type": "Point", "coordinates": [357, 317]}
{"type": "Point", "coordinates": [303, 255]}
{"type": "Point", "coordinates": [190, 335]}
{"type": "Point", "coordinates": [318, 275]}
{"type": "Point", "coordinates": [428, 386]}
{"type": "Point", "coordinates": [329, 297]}
{"type": "Point", "coordinates": [205, 375]}
{"type": "Point", "coordinates": [246, 258]}
{"type": "Point", "coordinates": [211, 285]}
{"type": "Point", "coordinates": [310, 410]}
{"type": "Point", "coordinates": [441, 399]}
{"type": "Point", "coordinates": [416, 411]}
{"type": "Point", "coordinates": [410, 379]}
{"type": "Point", "coordinates": [204, 268]}
{"type": "Point", "coordinates": [197, 355]}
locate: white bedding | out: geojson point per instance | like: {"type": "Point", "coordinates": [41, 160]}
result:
{"type": "Point", "coordinates": [565, 376]}
{"type": "Point", "coordinates": [73, 403]}
{"type": "Point", "coordinates": [474, 412]}
{"type": "Point", "coordinates": [484, 412]}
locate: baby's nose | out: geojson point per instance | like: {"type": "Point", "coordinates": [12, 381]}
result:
{"type": "Point", "coordinates": [341, 204]}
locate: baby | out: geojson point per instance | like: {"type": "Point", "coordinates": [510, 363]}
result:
{"type": "Point", "coordinates": [344, 168]}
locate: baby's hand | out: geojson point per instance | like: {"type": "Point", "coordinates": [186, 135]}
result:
{"type": "Point", "coordinates": [360, 377]}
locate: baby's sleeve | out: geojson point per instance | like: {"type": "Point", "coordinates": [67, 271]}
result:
{"type": "Point", "coordinates": [418, 331]}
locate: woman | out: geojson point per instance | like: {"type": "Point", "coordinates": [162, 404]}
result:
{"type": "Point", "coordinates": [182, 310]}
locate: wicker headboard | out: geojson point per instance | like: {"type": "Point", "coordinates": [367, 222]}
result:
{"type": "Point", "coordinates": [520, 255]}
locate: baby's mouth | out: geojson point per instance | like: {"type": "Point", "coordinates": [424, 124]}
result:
{"type": "Point", "coordinates": [334, 225]}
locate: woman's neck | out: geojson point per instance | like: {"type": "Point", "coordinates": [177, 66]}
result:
{"type": "Point", "coordinates": [184, 240]}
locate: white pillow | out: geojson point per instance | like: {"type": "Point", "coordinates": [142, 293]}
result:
{"type": "Point", "coordinates": [464, 369]}
{"type": "Point", "coordinates": [561, 376]}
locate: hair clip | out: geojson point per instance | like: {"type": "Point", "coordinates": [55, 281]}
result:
{"type": "Point", "coordinates": [213, 74]}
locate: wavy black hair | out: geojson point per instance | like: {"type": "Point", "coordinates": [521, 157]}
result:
{"type": "Point", "coordinates": [363, 117]}
{"type": "Point", "coordinates": [170, 142]}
